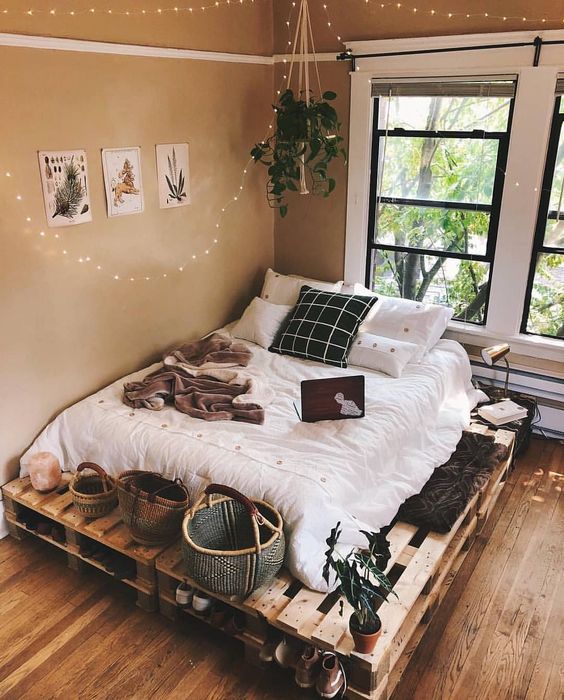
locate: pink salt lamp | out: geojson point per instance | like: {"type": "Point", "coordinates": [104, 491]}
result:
{"type": "Point", "coordinates": [44, 471]}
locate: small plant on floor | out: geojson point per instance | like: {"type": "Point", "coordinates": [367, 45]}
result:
{"type": "Point", "coordinates": [361, 580]}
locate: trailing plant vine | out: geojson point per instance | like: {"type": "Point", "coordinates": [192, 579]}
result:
{"type": "Point", "coordinates": [305, 141]}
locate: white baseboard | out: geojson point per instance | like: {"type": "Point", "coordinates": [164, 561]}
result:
{"type": "Point", "coordinates": [3, 526]}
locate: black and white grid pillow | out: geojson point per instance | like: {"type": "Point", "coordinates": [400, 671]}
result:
{"type": "Point", "coordinates": [322, 326]}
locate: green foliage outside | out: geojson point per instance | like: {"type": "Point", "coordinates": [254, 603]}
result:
{"type": "Point", "coordinates": [448, 170]}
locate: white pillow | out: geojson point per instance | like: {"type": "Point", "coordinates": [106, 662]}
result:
{"type": "Point", "coordinates": [260, 322]}
{"type": "Point", "coordinates": [285, 289]}
{"type": "Point", "coordinates": [382, 354]}
{"type": "Point", "coordinates": [406, 320]}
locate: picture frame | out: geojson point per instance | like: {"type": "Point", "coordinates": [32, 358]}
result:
{"type": "Point", "coordinates": [173, 175]}
{"type": "Point", "coordinates": [66, 187]}
{"type": "Point", "coordinates": [123, 180]}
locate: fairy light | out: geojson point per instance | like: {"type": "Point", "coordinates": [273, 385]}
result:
{"type": "Point", "coordinates": [400, 6]}
{"type": "Point", "coordinates": [82, 260]}
{"type": "Point", "coordinates": [125, 11]}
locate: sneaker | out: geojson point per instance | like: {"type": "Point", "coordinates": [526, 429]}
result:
{"type": "Point", "coordinates": [308, 667]}
{"type": "Point", "coordinates": [332, 681]}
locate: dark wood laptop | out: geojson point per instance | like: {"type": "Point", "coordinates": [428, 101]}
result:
{"type": "Point", "coordinates": [332, 399]}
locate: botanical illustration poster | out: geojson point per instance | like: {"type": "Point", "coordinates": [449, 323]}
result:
{"type": "Point", "coordinates": [122, 179]}
{"type": "Point", "coordinates": [64, 177]}
{"type": "Point", "coordinates": [173, 175]}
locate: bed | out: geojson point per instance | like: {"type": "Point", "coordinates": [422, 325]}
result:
{"type": "Point", "coordinates": [357, 471]}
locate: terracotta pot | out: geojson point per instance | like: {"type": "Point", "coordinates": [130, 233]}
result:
{"type": "Point", "coordinates": [364, 643]}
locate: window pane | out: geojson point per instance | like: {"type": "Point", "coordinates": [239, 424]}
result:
{"type": "Point", "coordinates": [444, 113]}
{"type": "Point", "coordinates": [554, 232]}
{"type": "Point", "coordinates": [449, 170]}
{"type": "Point", "coordinates": [546, 311]}
{"type": "Point", "coordinates": [557, 188]}
{"type": "Point", "coordinates": [435, 228]}
{"type": "Point", "coordinates": [462, 284]}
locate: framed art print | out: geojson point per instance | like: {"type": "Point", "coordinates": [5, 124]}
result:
{"type": "Point", "coordinates": [122, 180]}
{"type": "Point", "coordinates": [64, 179]}
{"type": "Point", "coordinates": [173, 175]}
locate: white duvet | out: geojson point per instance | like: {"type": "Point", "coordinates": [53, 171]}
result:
{"type": "Point", "coordinates": [355, 471]}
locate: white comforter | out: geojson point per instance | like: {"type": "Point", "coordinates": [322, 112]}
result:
{"type": "Point", "coordinates": [355, 471]}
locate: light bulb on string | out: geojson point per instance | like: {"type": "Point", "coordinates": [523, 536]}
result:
{"type": "Point", "coordinates": [434, 13]}
{"type": "Point", "coordinates": [145, 277]}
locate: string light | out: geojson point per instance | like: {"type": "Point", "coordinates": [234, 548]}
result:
{"type": "Point", "coordinates": [446, 15]}
{"type": "Point", "coordinates": [224, 209]}
{"type": "Point", "coordinates": [126, 12]}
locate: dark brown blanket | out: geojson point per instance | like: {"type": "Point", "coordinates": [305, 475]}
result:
{"type": "Point", "coordinates": [215, 350]}
{"type": "Point", "coordinates": [445, 496]}
{"type": "Point", "coordinates": [190, 390]}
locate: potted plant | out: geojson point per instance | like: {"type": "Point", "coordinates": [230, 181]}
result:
{"type": "Point", "coordinates": [361, 580]}
{"type": "Point", "coordinates": [298, 153]}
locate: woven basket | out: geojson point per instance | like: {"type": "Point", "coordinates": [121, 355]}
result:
{"type": "Point", "coordinates": [232, 545]}
{"type": "Point", "coordinates": [93, 495]}
{"type": "Point", "coordinates": [151, 506]}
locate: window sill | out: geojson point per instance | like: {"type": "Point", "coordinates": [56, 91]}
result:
{"type": "Point", "coordinates": [522, 344]}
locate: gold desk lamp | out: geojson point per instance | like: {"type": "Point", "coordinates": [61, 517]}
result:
{"type": "Point", "coordinates": [493, 355]}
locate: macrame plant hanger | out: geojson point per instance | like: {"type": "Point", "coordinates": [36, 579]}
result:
{"type": "Point", "coordinates": [303, 38]}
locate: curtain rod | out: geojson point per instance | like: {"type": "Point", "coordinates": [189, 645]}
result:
{"type": "Point", "coordinates": [537, 42]}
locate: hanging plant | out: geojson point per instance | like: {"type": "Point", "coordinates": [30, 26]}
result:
{"type": "Point", "coordinates": [298, 153]}
{"type": "Point", "coordinates": [306, 138]}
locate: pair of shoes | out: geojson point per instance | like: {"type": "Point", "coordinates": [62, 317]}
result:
{"type": "Point", "coordinates": [46, 528]}
{"type": "Point", "coordinates": [115, 563]}
{"type": "Point", "coordinates": [323, 670]}
{"type": "Point", "coordinates": [58, 534]}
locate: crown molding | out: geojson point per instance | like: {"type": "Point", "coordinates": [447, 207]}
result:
{"type": "Point", "coordinates": [102, 47]}
{"type": "Point", "coordinates": [451, 41]}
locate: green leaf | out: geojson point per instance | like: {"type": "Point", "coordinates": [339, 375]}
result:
{"type": "Point", "coordinates": [329, 95]}
{"type": "Point", "coordinates": [283, 210]}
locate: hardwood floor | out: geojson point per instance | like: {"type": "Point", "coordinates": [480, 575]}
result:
{"type": "Point", "coordinates": [499, 633]}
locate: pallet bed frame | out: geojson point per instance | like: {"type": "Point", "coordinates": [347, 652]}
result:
{"type": "Point", "coordinates": [109, 531]}
{"type": "Point", "coordinates": [422, 567]}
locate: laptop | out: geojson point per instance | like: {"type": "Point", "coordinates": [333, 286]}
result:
{"type": "Point", "coordinates": [336, 398]}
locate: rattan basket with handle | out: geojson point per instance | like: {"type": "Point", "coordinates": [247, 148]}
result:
{"type": "Point", "coordinates": [232, 545]}
{"type": "Point", "coordinates": [93, 495]}
{"type": "Point", "coordinates": [151, 506]}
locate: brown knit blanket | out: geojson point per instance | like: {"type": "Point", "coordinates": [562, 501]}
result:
{"type": "Point", "coordinates": [183, 382]}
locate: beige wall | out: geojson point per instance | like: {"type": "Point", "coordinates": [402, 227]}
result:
{"type": "Point", "coordinates": [366, 19]}
{"type": "Point", "coordinates": [311, 239]}
{"type": "Point", "coordinates": [239, 28]}
{"type": "Point", "coordinates": [68, 329]}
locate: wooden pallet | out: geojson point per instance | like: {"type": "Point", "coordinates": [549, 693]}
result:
{"type": "Point", "coordinates": [422, 566]}
{"type": "Point", "coordinates": [109, 531]}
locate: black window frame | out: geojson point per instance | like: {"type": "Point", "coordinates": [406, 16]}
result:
{"type": "Point", "coordinates": [557, 127]}
{"type": "Point", "coordinates": [494, 209]}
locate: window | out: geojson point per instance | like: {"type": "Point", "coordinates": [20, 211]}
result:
{"type": "Point", "coordinates": [544, 302]}
{"type": "Point", "coordinates": [439, 151]}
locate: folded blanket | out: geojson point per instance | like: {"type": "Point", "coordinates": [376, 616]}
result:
{"type": "Point", "coordinates": [200, 379]}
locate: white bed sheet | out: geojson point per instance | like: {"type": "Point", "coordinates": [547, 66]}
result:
{"type": "Point", "coordinates": [354, 471]}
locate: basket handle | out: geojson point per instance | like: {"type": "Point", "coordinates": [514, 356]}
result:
{"type": "Point", "coordinates": [230, 492]}
{"type": "Point", "coordinates": [95, 468]}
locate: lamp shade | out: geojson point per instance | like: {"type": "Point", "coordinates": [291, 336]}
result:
{"type": "Point", "coordinates": [495, 353]}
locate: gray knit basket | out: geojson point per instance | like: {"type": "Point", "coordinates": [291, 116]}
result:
{"type": "Point", "coordinates": [232, 545]}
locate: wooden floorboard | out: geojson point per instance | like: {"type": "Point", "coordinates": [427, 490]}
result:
{"type": "Point", "coordinates": [498, 634]}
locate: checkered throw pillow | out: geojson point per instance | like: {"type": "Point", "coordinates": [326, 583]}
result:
{"type": "Point", "coordinates": [322, 326]}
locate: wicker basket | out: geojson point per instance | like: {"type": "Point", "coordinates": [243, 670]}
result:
{"type": "Point", "coordinates": [232, 545]}
{"type": "Point", "coordinates": [151, 506]}
{"type": "Point", "coordinates": [93, 495]}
